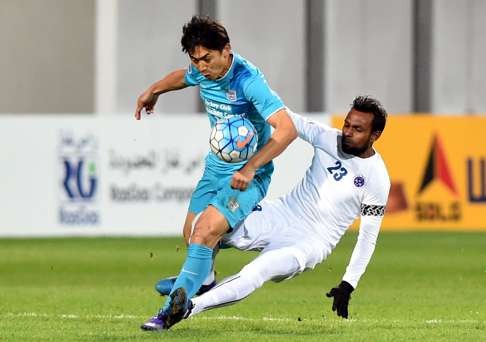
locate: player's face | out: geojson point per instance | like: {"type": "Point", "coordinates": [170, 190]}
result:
{"type": "Point", "coordinates": [358, 137]}
{"type": "Point", "coordinates": [213, 64]}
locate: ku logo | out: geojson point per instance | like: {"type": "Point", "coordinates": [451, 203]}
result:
{"type": "Point", "coordinates": [80, 180]}
{"type": "Point", "coordinates": [438, 168]}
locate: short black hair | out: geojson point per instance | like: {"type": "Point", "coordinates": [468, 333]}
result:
{"type": "Point", "coordinates": [367, 104]}
{"type": "Point", "coordinates": [203, 31]}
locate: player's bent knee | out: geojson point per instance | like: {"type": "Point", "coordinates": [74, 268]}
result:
{"type": "Point", "coordinates": [206, 235]}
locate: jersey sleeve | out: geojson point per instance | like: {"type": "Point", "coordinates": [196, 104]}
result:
{"type": "Point", "coordinates": [309, 130]}
{"type": "Point", "coordinates": [372, 212]}
{"type": "Point", "coordinates": [265, 100]}
{"type": "Point", "coordinates": [191, 77]}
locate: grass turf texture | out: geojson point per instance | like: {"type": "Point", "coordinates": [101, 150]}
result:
{"type": "Point", "coordinates": [418, 287]}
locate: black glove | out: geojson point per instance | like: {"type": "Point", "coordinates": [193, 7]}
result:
{"type": "Point", "coordinates": [341, 295]}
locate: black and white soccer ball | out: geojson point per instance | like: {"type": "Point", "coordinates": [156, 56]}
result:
{"type": "Point", "coordinates": [233, 139]}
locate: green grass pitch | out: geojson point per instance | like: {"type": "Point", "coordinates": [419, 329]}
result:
{"type": "Point", "coordinates": [418, 287]}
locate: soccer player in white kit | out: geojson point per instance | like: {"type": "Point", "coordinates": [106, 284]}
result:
{"type": "Point", "coordinates": [347, 179]}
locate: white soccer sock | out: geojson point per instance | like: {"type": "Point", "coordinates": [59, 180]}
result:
{"type": "Point", "coordinates": [277, 264]}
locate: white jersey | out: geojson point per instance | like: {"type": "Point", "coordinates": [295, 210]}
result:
{"type": "Point", "coordinates": [337, 189]}
{"type": "Point", "coordinates": [297, 231]}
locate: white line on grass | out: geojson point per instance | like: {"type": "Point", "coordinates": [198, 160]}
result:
{"type": "Point", "coordinates": [67, 316]}
{"type": "Point", "coordinates": [129, 317]}
{"type": "Point", "coordinates": [453, 321]}
{"type": "Point", "coordinates": [231, 318]}
{"type": "Point", "coordinates": [240, 318]}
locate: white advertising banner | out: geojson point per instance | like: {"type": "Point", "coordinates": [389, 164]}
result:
{"type": "Point", "coordinates": [80, 175]}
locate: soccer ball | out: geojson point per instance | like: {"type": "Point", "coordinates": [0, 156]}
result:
{"type": "Point", "coordinates": [233, 139]}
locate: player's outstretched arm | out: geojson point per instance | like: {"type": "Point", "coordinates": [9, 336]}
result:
{"type": "Point", "coordinates": [363, 250]}
{"type": "Point", "coordinates": [371, 218]}
{"type": "Point", "coordinates": [282, 136]}
{"type": "Point", "coordinates": [148, 99]}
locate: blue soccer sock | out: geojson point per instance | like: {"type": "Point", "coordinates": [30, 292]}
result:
{"type": "Point", "coordinates": [196, 268]}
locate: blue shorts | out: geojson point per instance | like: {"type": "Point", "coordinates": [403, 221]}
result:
{"type": "Point", "coordinates": [235, 205]}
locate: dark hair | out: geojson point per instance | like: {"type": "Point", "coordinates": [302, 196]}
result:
{"type": "Point", "coordinates": [368, 104]}
{"type": "Point", "coordinates": [203, 31]}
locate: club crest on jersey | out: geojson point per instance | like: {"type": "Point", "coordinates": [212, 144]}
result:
{"type": "Point", "coordinates": [359, 181]}
{"type": "Point", "coordinates": [233, 204]}
{"type": "Point", "coordinates": [231, 95]}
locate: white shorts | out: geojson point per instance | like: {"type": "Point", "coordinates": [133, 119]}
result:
{"type": "Point", "coordinates": [267, 230]}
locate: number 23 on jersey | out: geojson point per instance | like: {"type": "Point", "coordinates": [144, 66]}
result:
{"type": "Point", "coordinates": [337, 171]}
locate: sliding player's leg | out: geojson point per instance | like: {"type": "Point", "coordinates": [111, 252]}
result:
{"type": "Point", "coordinates": [274, 265]}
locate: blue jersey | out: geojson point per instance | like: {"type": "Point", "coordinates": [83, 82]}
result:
{"type": "Point", "coordinates": [243, 91]}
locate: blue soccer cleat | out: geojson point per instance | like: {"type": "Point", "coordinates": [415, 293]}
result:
{"type": "Point", "coordinates": [164, 286]}
{"type": "Point", "coordinates": [180, 307]}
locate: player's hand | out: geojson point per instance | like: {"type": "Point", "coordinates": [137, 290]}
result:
{"type": "Point", "coordinates": [242, 178]}
{"type": "Point", "coordinates": [342, 295]}
{"type": "Point", "coordinates": [147, 100]}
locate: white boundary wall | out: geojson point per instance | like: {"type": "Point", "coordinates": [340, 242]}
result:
{"type": "Point", "coordinates": [109, 175]}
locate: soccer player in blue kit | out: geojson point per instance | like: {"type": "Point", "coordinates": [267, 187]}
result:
{"type": "Point", "coordinates": [227, 192]}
